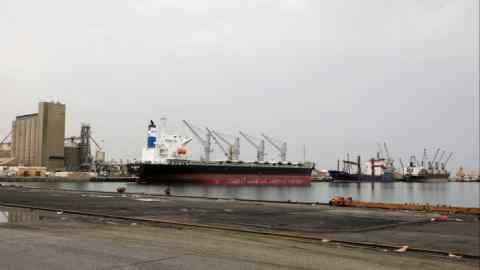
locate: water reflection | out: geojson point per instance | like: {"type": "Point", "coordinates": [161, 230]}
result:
{"type": "Point", "coordinates": [449, 193]}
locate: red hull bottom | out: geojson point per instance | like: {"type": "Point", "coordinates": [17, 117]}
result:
{"type": "Point", "coordinates": [234, 180]}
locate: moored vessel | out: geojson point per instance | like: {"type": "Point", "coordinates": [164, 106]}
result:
{"type": "Point", "coordinates": [376, 170]}
{"type": "Point", "coordinates": [427, 171]}
{"type": "Point", "coordinates": [164, 160]}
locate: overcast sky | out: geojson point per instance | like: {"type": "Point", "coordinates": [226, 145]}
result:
{"type": "Point", "coordinates": [338, 76]}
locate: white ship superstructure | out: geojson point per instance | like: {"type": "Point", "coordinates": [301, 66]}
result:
{"type": "Point", "coordinates": [162, 146]}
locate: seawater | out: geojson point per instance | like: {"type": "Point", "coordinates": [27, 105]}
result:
{"type": "Point", "coordinates": [445, 193]}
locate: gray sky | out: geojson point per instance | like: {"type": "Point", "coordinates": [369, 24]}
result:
{"type": "Point", "coordinates": [337, 76]}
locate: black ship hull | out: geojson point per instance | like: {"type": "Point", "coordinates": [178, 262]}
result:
{"type": "Point", "coordinates": [341, 176]}
{"type": "Point", "coordinates": [224, 173]}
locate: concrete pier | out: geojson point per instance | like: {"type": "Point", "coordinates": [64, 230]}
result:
{"type": "Point", "coordinates": [57, 240]}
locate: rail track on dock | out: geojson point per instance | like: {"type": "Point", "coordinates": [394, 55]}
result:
{"type": "Point", "coordinates": [293, 236]}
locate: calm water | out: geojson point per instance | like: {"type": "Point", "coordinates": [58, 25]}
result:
{"type": "Point", "coordinates": [449, 193]}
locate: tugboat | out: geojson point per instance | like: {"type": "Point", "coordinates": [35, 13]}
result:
{"type": "Point", "coordinates": [164, 160]}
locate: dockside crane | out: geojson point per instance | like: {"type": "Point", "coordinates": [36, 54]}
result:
{"type": "Point", "coordinates": [281, 148]}
{"type": "Point", "coordinates": [233, 148]}
{"type": "Point", "coordinates": [260, 147]}
{"type": "Point", "coordinates": [206, 143]}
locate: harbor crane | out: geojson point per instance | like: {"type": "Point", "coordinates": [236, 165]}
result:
{"type": "Point", "coordinates": [233, 148]}
{"type": "Point", "coordinates": [281, 148]}
{"type": "Point", "coordinates": [206, 143]}
{"type": "Point", "coordinates": [260, 147]}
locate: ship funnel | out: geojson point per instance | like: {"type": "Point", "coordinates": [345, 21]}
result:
{"type": "Point", "coordinates": [152, 135]}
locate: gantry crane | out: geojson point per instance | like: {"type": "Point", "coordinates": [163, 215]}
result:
{"type": "Point", "coordinates": [281, 148]}
{"type": "Point", "coordinates": [260, 147]}
{"type": "Point", "coordinates": [206, 143]}
{"type": "Point", "coordinates": [233, 148]}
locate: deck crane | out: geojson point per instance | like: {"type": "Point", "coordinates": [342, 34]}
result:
{"type": "Point", "coordinates": [444, 165]}
{"type": "Point", "coordinates": [387, 153]}
{"type": "Point", "coordinates": [436, 155]}
{"type": "Point", "coordinates": [389, 160]}
{"type": "Point", "coordinates": [413, 161]}
{"type": "Point", "coordinates": [403, 166]}
{"type": "Point", "coordinates": [233, 148]}
{"type": "Point", "coordinates": [437, 164]}
{"type": "Point", "coordinates": [206, 143]}
{"type": "Point", "coordinates": [260, 147]}
{"type": "Point", "coordinates": [431, 164]}
{"type": "Point", "coordinates": [380, 151]}
{"type": "Point", "coordinates": [442, 156]}
{"type": "Point", "coordinates": [215, 140]}
{"type": "Point", "coordinates": [424, 158]}
{"type": "Point", "coordinates": [281, 148]}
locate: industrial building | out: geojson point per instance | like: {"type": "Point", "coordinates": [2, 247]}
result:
{"type": "Point", "coordinates": [38, 139]}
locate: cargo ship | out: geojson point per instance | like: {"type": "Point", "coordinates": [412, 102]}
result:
{"type": "Point", "coordinates": [164, 160]}
{"type": "Point", "coordinates": [377, 170]}
{"type": "Point", "coordinates": [427, 171]}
